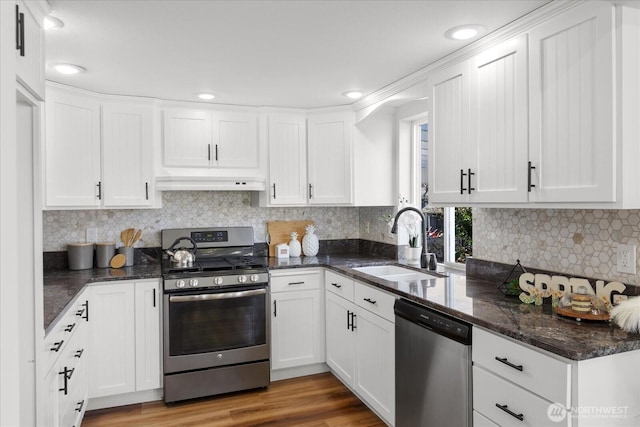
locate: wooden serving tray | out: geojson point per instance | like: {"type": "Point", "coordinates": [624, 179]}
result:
{"type": "Point", "coordinates": [280, 232]}
{"type": "Point", "coordinates": [578, 315]}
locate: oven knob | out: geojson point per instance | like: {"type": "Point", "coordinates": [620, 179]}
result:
{"type": "Point", "coordinates": [254, 277]}
{"type": "Point", "coordinates": [242, 278]}
{"type": "Point", "coordinates": [193, 283]}
{"type": "Point", "coordinates": [217, 280]}
{"type": "Point", "coordinates": [180, 283]}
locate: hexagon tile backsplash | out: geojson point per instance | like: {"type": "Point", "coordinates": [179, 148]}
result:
{"type": "Point", "coordinates": [573, 242]}
{"type": "Point", "coordinates": [191, 209]}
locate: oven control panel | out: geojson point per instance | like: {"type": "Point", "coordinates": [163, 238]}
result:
{"type": "Point", "coordinates": [217, 236]}
{"type": "Point", "coordinates": [188, 283]}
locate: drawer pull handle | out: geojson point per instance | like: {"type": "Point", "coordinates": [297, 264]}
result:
{"type": "Point", "coordinates": [57, 345]}
{"type": "Point", "coordinates": [295, 283]}
{"type": "Point", "coordinates": [369, 300]}
{"type": "Point", "coordinates": [79, 406]}
{"type": "Point", "coordinates": [336, 285]}
{"type": "Point", "coordinates": [506, 362]}
{"type": "Point", "coordinates": [506, 409]}
{"type": "Point", "coordinates": [79, 353]}
{"type": "Point", "coordinates": [69, 328]}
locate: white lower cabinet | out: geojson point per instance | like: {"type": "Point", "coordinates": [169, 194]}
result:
{"type": "Point", "coordinates": [66, 354]}
{"type": "Point", "coordinates": [361, 341]}
{"type": "Point", "coordinates": [297, 318]}
{"type": "Point", "coordinates": [124, 338]}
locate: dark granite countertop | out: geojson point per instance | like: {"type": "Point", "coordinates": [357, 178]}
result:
{"type": "Point", "coordinates": [473, 300]}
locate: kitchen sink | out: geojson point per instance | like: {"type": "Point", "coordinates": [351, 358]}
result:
{"type": "Point", "coordinates": [394, 273]}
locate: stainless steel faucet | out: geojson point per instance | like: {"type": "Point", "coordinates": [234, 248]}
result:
{"type": "Point", "coordinates": [394, 230]}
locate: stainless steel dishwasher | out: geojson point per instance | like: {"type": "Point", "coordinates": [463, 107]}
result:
{"type": "Point", "coordinates": [433, 368]}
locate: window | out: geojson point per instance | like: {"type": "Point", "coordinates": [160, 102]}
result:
{"type": "Point", "coordinates": [449, 230]}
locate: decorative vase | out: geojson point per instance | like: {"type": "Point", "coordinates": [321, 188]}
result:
{"type": "Point", "coordinates": [412, 254]}
{"type": "Point", "coordinates": [310, 243]}
{"type": "Point", "coordinates": [294, 245]}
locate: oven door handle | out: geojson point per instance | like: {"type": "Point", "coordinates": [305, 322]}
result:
{"type": "Point", "coordinates": [221, 295]}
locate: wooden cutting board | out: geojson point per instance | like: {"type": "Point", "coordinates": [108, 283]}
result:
{"type": "Point", "coordinates": [280, 232]}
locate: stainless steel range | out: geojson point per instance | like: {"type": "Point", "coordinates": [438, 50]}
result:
{"type": "Point", "coordinates": [216, 322]}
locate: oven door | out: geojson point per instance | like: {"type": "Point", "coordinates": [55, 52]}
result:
{"type": "Point", "coordinates": [215, 328]}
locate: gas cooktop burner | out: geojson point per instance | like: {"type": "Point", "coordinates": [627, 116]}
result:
{"type": "Point", "coordinates": [217, 264]}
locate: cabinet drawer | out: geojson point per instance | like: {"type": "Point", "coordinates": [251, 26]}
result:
{"type": "Point", "coordinates": [295, 281]}
{"type": "Point", "coordinates": [375, 300]}
{"type": "Point", "coordinates": [63, 331]}
{"type": "Point", "coordinates": [339, 285]}
{"type": "Point", "coordinates": [531, 369]}
{"type": "Point", "coordinates": [489, 391]}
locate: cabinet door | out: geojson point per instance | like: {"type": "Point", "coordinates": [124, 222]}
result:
{"type": "Point", "coordinates": [330, 159]}
{"type": "Point", "coordinates": [499, 133]}
{"type": "Point", "coordinates": [340, 339]}
{"type": "Point", "coordinates": [72, 150]}
{"type": "Point", "coordinates": [235, 140]}
{"type": "Point", "coordinates": [112, 340]}
{"type": "Point", "coordinates": [297, 327]}
{"type": "Point", "coordinates": [187, 138]}
{"type": "Point", "coordinates": [375, 363]}
{"type": "Point", "coordinates": [30, 57]}
{"type": "Point", "coordinates": [287, 160]}
{"type": "Point", "coordinates": [148, 340]}
{"type": "Point", "coordinates": [127, 155]}
{"type": "Point", "coordinates": [572, 142]}
{"type": "Point", "coordinates": [449, 121]}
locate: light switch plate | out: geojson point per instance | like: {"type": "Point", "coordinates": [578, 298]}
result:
{"type": "Point", "coordinates": [626, 258]}
{"type": "Point", "coordinates": [92, 234]}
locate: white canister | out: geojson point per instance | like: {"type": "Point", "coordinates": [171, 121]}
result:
{"type": "Point", "coordinates": [282, 250]}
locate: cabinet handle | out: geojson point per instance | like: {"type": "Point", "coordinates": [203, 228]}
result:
{"type": "Point", "coordinates": [462, 175]}
{"type": "Point", "coordinates": [209, 152]}
{"type": "Point", "coordinates": [506, 362]}
{"type": "Point", "coordinates": [353, 321]}
{"type": "Point", "coordinates": [79, 353]}
{"type": "Point", "coordinates": [529, 184]}
{"type": "Point", "coordinates": [19, 31]}
{"type": "Point", "coordinates": [216, 152]}
{"type": "Point", "coordinates": [348, 319]}
{"type": "Point", "coordinates": [84, 313]}
{"type": "Point", "coordinates": [310, 193]}
{"type": "Point", "coordinates": [274, 191]}
{"type": "Point", "coordinates": [154, 298]}
{"type": "Point", "coordinates": [275, 308]}
{"type": "Point", "coordinates": [295, 283]}
{"type": "Point", "coordinates": [79, 406]}
{"type": "Point", "coordinates": [99, 185]}
{"type": "Point", "coordinates": [369, 300]}
{"type": "Point", "coordinates": [69, 328]}
{"type": "Point", "coordinates": [469, 175]}
{"type": "Point", "coordinates": [57, 345]}
{"type": "Point", "coordinates": [66, 375]}
{"type": "Point", "coordinates": [506, 409]}
{"type": "Point", "coordinates": [146, 191]}
{"type": "Point", "coordinates": [336, 285]}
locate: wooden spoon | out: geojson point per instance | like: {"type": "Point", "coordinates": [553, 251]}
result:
{"type": "Point", "coordinates": [136, 237]}
{"type": "Point", "coordinates": [126, 236]}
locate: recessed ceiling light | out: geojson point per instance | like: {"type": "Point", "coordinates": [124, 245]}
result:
{"type": "Point", "coordinates": [52, 23]}
{"type": "Point", "coordinates": [206, 96]}
{"type": "Point", "coordinates": [465, 32]}
{"type": "Point", "coordinates": [353, 94]}
{"type": "Point", "coordinates": [68, 68]}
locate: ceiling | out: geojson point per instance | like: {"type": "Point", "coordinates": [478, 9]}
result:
{"type": "Point", "coordinates": [293, 53]}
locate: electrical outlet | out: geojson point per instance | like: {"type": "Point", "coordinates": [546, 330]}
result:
{"type": "Point", "coordinates": [367, 227]}
{"type": "Point", "coordinates": [626, 259]}
{"type": "Point", "coordinates": [92, 234]}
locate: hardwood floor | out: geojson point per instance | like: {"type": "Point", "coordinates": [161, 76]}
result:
{"type": "Point", "coordinates": [316, 400]}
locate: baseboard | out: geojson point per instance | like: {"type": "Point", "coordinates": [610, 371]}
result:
{"type": "Point", "coordinates": [124, 399]}
{"type": "Point", "coordinates": [298, 371]}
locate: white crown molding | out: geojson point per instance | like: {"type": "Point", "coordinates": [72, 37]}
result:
{"type": "Point", "coordinates": [515, 28]}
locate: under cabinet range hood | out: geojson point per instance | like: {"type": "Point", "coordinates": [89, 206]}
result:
{"type": "Point", "coordinates": [209, 183]}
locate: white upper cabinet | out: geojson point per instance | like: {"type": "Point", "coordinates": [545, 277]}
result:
{"type": "Point", "coordinates": [572, 141]}
{"type": "Point", "coordinates": [85, 170]}
{"type": "Point", "coordinates": [330, 158]}
{"type": "Point", "coordinates": [126, 155]}
{"type": "Point", "coordinates": [202, 139]}
{"type": "Point", "coordinates": [498, 124]}
{"type": "Point", "coordinates": [449, 128]}
{"type": "Point", "coordinates": [30, 46]}
{"type": "Point", "coordinates": [287, 159]}
{"type": "Point", "coordinates": [187, 138]}
{"type": "Point", "coordinates": [72, 150]}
